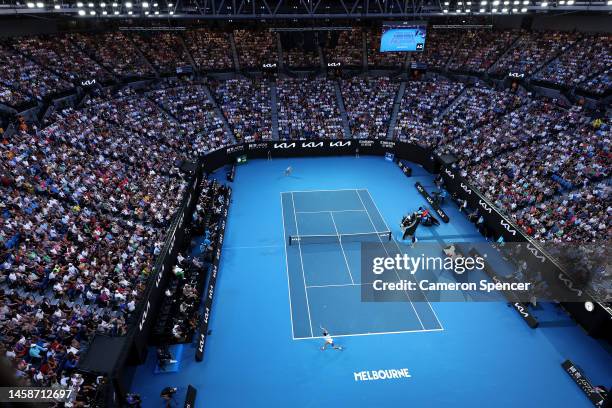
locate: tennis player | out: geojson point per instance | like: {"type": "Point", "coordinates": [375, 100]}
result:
{"type": "Point", "coordinates": [288, 171]}
{"type": "Point", "coordinates": [329, 341]}
{"type": "Point", "coordinates": [409, 225]}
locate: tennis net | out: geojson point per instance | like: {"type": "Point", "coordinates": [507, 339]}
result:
{"type": "Point", "coordinates": [375, 236]}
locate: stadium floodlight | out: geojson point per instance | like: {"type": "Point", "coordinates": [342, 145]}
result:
{"type": "Point", "coordinates": [609, 2]}
{"type": "Point", "coordinates": [145, 4]}
{"type": "Point", "coordinates": [562, 2]}
{"type": "Point", "coordinates": [504, 10]}
{"type": "Point", "coordinates": [460, 3]}
{"type": "Point", "coordinates": [155, 4]}
{"type": "Point", "coordinates": [79, 4]}
{"type": "Point", "coordinates": [130, 12]}
{"type": "Point", "coordinates": [57, 7]}
{"type": "Point", "coordinates": [157, 13]}
{"type": "Point", "coordinates": [104, 13]}
{"type": "Point", "coordinates": [30, 5]}
{"type": "Point", "coordinates": [544, 4]}
{"type": "Point", "coordinates": [524, 10]}
{"type": "Point", "coordinates": [482, 10]}
{"type": "Point", "coordinates": [494, 10]}
{"type": "Point", "coordinates": [81, 12]}
{"type": "Point", "coordinates": [506, 3]}
{"type": "Point", "coordinates": [40, 5]}
{"type": "Point", "coordinates": [496, 3]}
{"type": "Point", "coordinates": [171, 12]}
{"type": "Point", "coordinates": [116, 13]}
{"type": "Point", "coordinates": [92, 13]}
{"type": "Point", "coordinates": [102, 4]}
{"type": "Point", "coordinates": [115, 4]}
{"type": "Point", "coordinates": [515, 10]}
{"type": "Point", "coordinates": [445, 11]}
{"type": "Point", "coordinates": [146, 13]}
{"type": "Point", "coordinates": [128, 4]}
{"type": "Point", "coordinates": [516, 2]}
{"type": "Point", "coordinates": [570, 2]}
{"type": "Point", "coordinates": [526, 3]}
{"type": "Point", "coordinates": [469, 3]}
{"type": "Point", "coordinates": [170, 4]}
{"type": "Point", "coordinates": [483, 3]}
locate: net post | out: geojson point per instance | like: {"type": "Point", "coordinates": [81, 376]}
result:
{"type": "Point", "coordinates": [390, 235]}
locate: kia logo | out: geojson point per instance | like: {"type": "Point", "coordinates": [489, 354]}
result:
{"type": "Point", "coordinates": [536, 253]}
{"type": "Point", "coordinates": [284, 145]}
{"type": "Point", "coordinates": [312, 144]}
{"type": "Point", "coordinates": [569, 284]}
{"type": "Point", "coordinates": [89, 82]}
{"type": "Point", "coordinates": [521, 309]}
{"type": "Point", "coordinates": [465, 188]}
{"type": "Point", "coordinates": [506, 225]}
{"type": "Point", "coordinates": [144, 316]}
{"type": "Point", "coordinates": [484, 206]}
{"type": "Point", "coordinates": [339, 144]}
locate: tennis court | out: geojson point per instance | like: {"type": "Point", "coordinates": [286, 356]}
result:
{"type": "Point", "coordinates": [324, 231]}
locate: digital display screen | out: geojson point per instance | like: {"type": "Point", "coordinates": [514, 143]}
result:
{"type": "Point", "coordinates": [403, 36]}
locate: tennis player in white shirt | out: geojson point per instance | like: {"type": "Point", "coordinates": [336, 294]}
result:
{"type": "Point", "coordinates": [329, 341]}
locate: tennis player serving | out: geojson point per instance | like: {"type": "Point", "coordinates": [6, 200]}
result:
{"type": "Point", "coordinates": [329, 341]}
{"type": "Point", "coordinates": [288, 171]}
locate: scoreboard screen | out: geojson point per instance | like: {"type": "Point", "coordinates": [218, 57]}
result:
{"type": "Point", "coordinates": [403, 36]}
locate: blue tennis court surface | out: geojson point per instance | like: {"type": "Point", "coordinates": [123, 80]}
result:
{"type": "Point", "coordinates": [323, 232]}
{"type": "Point", "coordinates": [485, 355]}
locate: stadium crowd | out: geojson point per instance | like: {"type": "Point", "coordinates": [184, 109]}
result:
{"type": "Point", "coordinates": [87, 193]}
{"type": "Point", "coordinates": [246, 106]}
{"type": "Point", "coordinates": [210, 49]}
{"type": "Point", "coordinates": [369, 103]}
{"type": "Point", "coordinates": [307, 109]}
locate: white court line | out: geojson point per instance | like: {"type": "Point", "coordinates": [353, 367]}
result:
{"type": "Point", "coordinates": [255, 246]}
{"type": "Point", "coordinates": [316, 191]}
{"type": "Point", "coordinates": [400, 251]}
{"type": "Point", "coordinates": [370, 334]}
{"type": "Point", "coordinates": [337, 286]}
{"type": "Point", "coordinates": [287, 266]}
{"type": "Point", "coordinates": [320, 212]}
{"type": "Point", "coordinates": [387, 252]}
{"type": "Point", "coordinates": [341, 247]}
{"type": "Point", "coordinates": [297, 230]}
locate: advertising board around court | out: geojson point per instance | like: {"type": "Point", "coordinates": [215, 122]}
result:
{"type": "Point", "coordinates": [319, 147]}
{"type": "Point", "coordinates": [210, 290]}
{"type": "Point", "coordinates": [563, 281]}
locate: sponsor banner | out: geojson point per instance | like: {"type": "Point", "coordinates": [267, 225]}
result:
{"type": "Point", "coordinates": [318, 147]}
{"type": "Point", "coordinates": [190, 398]}
{"type": "Point", "coordinates": [404, 168]}
{"type": "Point", "coordinates": [210, 291]}
{"type": "Point", "coordinates": [439, 211]}
{"type": "Point", "coordinates": [581, 381]}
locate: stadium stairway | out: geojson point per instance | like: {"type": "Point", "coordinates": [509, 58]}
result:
{"type": "Point", "coordinates": [274, 110]}
{"type": "Point", "coordinates": [145, 59]}
{"type": "Point", "coordinates": [396, 106]}
{"type": "Point", "coordinates": [218, 112]}
{"type": "Point", "coordinates": [189, 57]}
{"type": "Point", "coordinates": [512, 46]}
{"type": "Point", "coordinates": [343, 115]}
{"type": "Point", "coordinates": [234, 52]}
{"type": "Point", "coordinates": [322, 58]}
{"type": "Point", "coordinates": [454, 102]}
{"type": "Point", "coordinates": [280, 57]}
